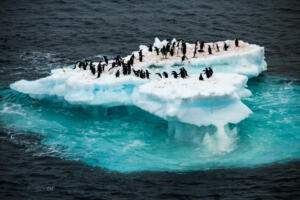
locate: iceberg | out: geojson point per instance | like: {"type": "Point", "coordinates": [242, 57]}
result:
{"type": "Point", "coordinates": [213, 101]}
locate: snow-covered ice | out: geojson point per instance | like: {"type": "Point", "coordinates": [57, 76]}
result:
{"type": "Point", "coordinates": [215, 101]}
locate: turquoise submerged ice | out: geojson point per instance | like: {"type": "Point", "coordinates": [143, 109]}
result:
{"type": "Point", "coordinates": [130, 124]}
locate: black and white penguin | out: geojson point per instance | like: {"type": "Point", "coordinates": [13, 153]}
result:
{"type": "Point", "coordinates": [124, 69]}
{"type": "Point", "coordinates": [157, 50]}
{"type": "Point", "coordinates": [201, 47]}
{"type": "Point", "coordinates": [225, 47]}
{"type": "Point", "coordinates": [165, 74]}
{"type": "Point", "coordinates": [184, 48]}
{"type": "Point", "coordinates": [77, 65]}
{"type": "Point", "coordinates": [118, 73]}
{"type": "Point", "coordinates": [147, 74]}
{"type": "Point", "coordinates": [142, 74]}
{"type": "Point", "coordinates": [209, 50]}
{"type": "Point", "coordinates": [236, 42]}
{"type": "Point", "coordinates": [175, 74]}
{"type": "Point", "coordinates": [172, 51]}
{"type": "Point", "coordinates": [136, 72]}
{"type": "Point", "coordinates": [118, 60]}
{"type": "Point", "coordinates": [183, 73]}
{"type": "Point", "coordinates": [217, 46]}
{"type": "Point", "coordinates": [105, 59]}
{"type": "Point", "coordinates": [141, 56]}
{"type": "Point", "coordinates": [132, 59]}
{"type": "Point", "coordinates": [201, 77]}
{"type": "Point", "coordinates": [150, 48]}
{"type": "Point", "coordinates": [92, 69]}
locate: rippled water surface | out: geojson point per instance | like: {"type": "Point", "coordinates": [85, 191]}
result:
{"type": "Point", "coordinates": [48, 147]}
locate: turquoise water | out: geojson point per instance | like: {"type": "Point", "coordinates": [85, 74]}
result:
{"type": "Point", "coordinates": [127, 139]}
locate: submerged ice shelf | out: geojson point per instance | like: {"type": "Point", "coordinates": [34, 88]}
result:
{"type": "Point", "coordinates": [213, 101]}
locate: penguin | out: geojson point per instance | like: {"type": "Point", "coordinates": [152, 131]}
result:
{"type": "Point", "coordinates": [99, 74]}
{"type": "Point", "coordinates": [162, 50]}
{"type": "Point", "coordinates": [124, 69]}
{"type": "Point", "coordinates": [201, 47]}
{"type": "Point", "coordinates": [131, 59]}
{"type": "Point", "coordinates": [150, 48]}
{"type": "Point", "coordinates": [168, 47]}
{"type": "Point", "coordinates": [175, 74]}
{"type": "Point", "coordinates": [195, 52]}
{"type": "Point", "coordinates": [99, 69]}
{"type": "Point", "coordinates": [147, 74]}
{"type": "Point", "coordinates": [84, 66]}
{"type": "Point", "coordinates": [117, 73]}
{"type": "Point", "coordinates": [165, 74]}
{"type": "Point", "coordinates": [184, 48]}
{"type": "Point", "coordinates": [225, 47]}
{"type": "Point", "coordinates": [128, 69]}
{"type": "Point", "coordinates": [201, 77]}
{"type": "Point", "coordinates": [136, 73]}
{"type": "Point", "coordinates": [92, 68]}
{"type": "Point", "coordinates": [209, 50]}
{"type": "Point", "coordinates": [103, 67]}
{"type": "Point", "coordinates": [105, 59]}
{"type": "Point", "coordinates": [77, 65]}
{"type": "Point", "coordinates": [183, 58]}
{"type": "Point", "coordinates": [157, 50]}
{"type": "Point", "coordinates": [236, 42]}
{"type": "Point", "coordinates": [141, 56]}
{"type": "Point", "coordinates": [172, 51]}
{"type": "Point", "coordinates": [118, 60]}
{"type": "Point", "coordinates": [158, 75]}
{"type": "Point", "coordinates": [183, 73]}
{"type": "Point", "coordinates": [217, 46]}
{"type": "Point", "coordinates": [142, 74]}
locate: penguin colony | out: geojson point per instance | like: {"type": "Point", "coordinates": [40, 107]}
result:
{"type": "Point", "coordinates": [120, 66]}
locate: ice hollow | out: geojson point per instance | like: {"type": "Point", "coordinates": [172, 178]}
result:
{"type": "Point", "coordinates": [214, 101]}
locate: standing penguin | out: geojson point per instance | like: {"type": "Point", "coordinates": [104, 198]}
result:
{"type": "Point", "coordinates": [201, 47]}
{"type": "Point", "coordinates": [99, 69]}
{"type": "Point", "coordinates": [209, 50]}
{"type": "Point", "coordinates": [165, 74]}
{"type": "Point", "coordinates": [183, 73]}
{"type": "Point", "coordinates": [77, 65]}
{"type": "Point", "coordinates": [105, 59]}
{"type": "Point", "coordinates": [141, 56]}
{"type": "Point", "coordinates": [147, 74]}
{"type": "Point", "coordinates": [225, 47]}
{"type": "Point", "coordinates": [201, 77]}
{"type": "Point", "coordinates": [157, 50]}
{"type": "Point", "coordinates": [217, 46]}
{"type": "Point", "coordinates": [118, 73]}
{"type": "Point", "coordinates": [174, 74]}
{"type": "Point", "coordinates": [236, 42]}
{"type": "Point", "coordinates": [184, 48]}
{"type": "Point", "coordinates": [150, 48]}
{"type": "Point", "coordinates": [92, 69]}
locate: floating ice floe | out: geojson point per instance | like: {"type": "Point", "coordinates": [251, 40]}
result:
{"type": "Point", "coordinates": [215, 101]}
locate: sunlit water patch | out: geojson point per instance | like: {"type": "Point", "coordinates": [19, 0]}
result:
{"type": "Point", "coordinates": [126, 138]}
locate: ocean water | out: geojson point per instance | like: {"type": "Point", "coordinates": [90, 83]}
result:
{"type": "Point", "coordinates": [50, 148]}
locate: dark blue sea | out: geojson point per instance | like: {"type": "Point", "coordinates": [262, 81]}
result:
{"type": "Point", "coordinates": [50, 149]}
